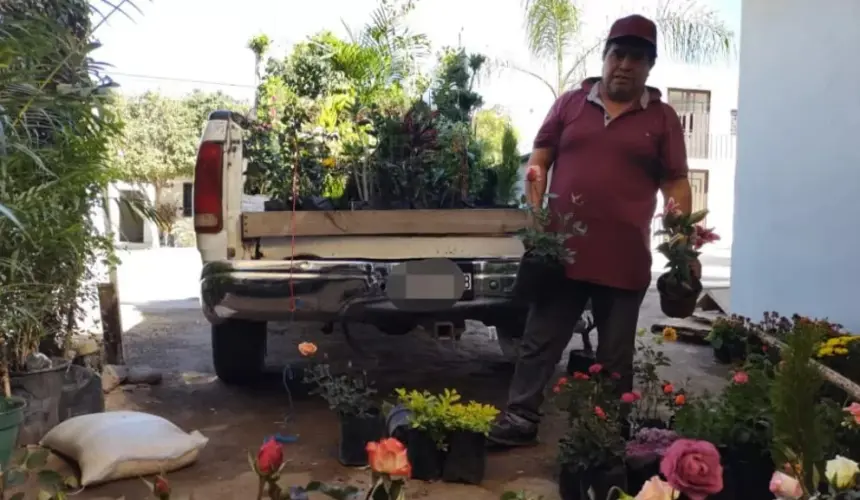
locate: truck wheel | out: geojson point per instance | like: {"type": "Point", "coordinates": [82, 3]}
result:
{"type": "Point", "coordinates": [239, 350]}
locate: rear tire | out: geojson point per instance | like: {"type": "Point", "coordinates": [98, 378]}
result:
{"type": "Point", "coordinates": [239, 351]}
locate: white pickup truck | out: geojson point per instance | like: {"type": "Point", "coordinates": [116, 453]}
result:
{"type": "Point", "coordinates": [335, 266]}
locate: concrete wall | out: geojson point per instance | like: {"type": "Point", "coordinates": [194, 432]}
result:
{"type": "Point", "coordinates": [796, 185]}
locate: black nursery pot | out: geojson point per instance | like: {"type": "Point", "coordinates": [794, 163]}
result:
{"type": "Point", "coordinates": [355, 432]}
{"type": "Point", "coordinates": [603, 479]}
{"type": "Point", "coordinates": [536, 277]}
{"type": "Point", "coordinates": [579, 360]}
{"type": "Point", "coordinates": [749, 475]}
{"type": "Point", "coordinates": [426, 458]}
{"type": "Point", "coordinates": [571, 485]}
{"type": "Point", "coordinates": [466, 459]}
{"type": "Point", "coordinates": [640, 470]}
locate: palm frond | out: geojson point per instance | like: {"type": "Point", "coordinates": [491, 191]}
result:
{"type": "Point", "coordinates": [693, 33]}
{"type": "Point", "coordinates": [550, 27]}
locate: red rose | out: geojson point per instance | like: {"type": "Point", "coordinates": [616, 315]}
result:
{"type": "Point", "coordinates": [270, 457]}
{"type": "Point", "coordinates": [693, 467]}
{"type": "Point", "coordinates": [161, 488]}
{"type": "Point", "coordinates": [668, 389]}
{"type": "Point", "coordinates": [532, 174]}
{"type": "Point", "coordinates": [599, 412]}
{"type": "Point", "coordinates": [389, 457]}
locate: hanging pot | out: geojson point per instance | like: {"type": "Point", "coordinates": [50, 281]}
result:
{"type": "Point", "coordinates": [571, 484]}
{"type": "Point", "coordinates": [355, 432]}
{"type": "Point", "coordinates": [678, 301]}
{"type": "Point", "coordinates": [424, 455]}
{"type": "Point", "coordinates": [466, 459]}
{"type": "Point", "coordinates": [536, 277]}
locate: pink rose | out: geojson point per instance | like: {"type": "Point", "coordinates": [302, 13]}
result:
{"type": "Point", "coordinates": [854, 410]}
{"type": "Point", "coordinates": [740, 378]}
{"type": "Point", "coordinates": [630, 397]}
{"type": "Point", "coordinates": [693, 467]}
{"type": "Point", "coordinates": [785, 486]}
{"type": "Point", "coordinates": [595, 368]}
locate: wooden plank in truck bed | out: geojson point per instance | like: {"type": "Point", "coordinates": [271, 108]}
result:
{"type": "Point", "coordinates": [384, 222]}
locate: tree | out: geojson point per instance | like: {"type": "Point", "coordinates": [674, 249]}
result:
{"type": "Point", "coordinates": [689, 32]}
{"type": "Point", "coordinates": [509, 168]}
{"type": "Point", "coordinates": [162, 134]}
{"type": "Point", "coordinates": [490, 128]}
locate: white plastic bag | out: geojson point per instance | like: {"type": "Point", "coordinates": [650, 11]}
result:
{"type": "Point", "coordinates": [121, 444]}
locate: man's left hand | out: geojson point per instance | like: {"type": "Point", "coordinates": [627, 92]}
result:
{"type": "Point", "coordinates": [696, 269]}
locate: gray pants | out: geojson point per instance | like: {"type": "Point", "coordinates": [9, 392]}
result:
{"type": "Point", "coordinates": [549, 328]}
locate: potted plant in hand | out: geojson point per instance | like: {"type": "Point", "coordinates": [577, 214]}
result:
{"type": "Point", "coordinates": [679, 289]}
{"type": "Point", "coordinates": [542, 266]}
{"type": "Point", "coordinates": [351, 397]}
{"type": "Point", "coordinates": [468, 425]}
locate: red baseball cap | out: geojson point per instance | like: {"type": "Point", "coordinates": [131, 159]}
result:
{"type": "Point", "coordinates": [635, 26]}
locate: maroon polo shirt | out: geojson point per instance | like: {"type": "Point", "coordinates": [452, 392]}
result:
{"type": "Point", "coordinates": [615, 168]}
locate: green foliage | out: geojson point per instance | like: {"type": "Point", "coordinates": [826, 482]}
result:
{"type": "Point", "coordinates": [439, 414]}
{"type": "Point", "coordinates": [259, 45]}
{"type": "Point", "coordinates": [346, 394]}
{"type": "Point", "coordinates": [800, 435]}
{"type": "Point", "coordinates": [730, 332]}
{"type": "Point", "coordinates": [547, 241]}
{"type": "Point", "coordinates": [29, 463]}
{"type": "Point", "coordinates": [491, 128]}
{"type": "Point", "coordinates": [55, 157]}
{"type": "Point", "coordinates": [592, 441]}
{"type": "Point", "coordinates": [161, 134]}
{"type": "Point", "coordinates": [508, 170]}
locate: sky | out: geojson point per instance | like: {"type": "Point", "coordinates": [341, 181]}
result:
{"type": "Point", "coordinates": [176, 46]}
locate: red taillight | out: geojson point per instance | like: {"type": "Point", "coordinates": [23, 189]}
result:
{"type": "Point", "coordinates": [208, 211]}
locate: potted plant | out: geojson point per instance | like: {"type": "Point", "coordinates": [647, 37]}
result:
{"type": "Point", "coordinates": [679, 289]}
{"type": "Point", "coordinates": [729, 338]}
{"type": "Point", "coordinates": [591, 453]}
{"type": "Point", "coordinates": [425, 416]}
{"type": "Point", "coordinates": [643, 453]}
{"type": "Point", "coordinates": [650, 404]}
{"type": "Point", "coordinates": [542, 266]}
{"type": "Point", "coordinates": [351, 397]}
{"type": "Point", "coordinates": [468, 425]}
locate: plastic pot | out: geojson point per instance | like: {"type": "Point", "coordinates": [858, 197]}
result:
{"type": "Point", "coordinates": [677, 301]}
{"type": "Point", "coordinates": [466, 459]}
{"type": "Point", "coordinates": [42, 390]}
{"type": "Point", "coordinates": [11, 416]}
{"type": "Point", "coordinates": [571, 485]}
{"type": "Point", "coordinates": [355, 432]}
{"type": "Point", "coordinates": [723, 355]}
{"type": "Point", "coordinates": [579, 360]}
{"type": "Point", "coordinates": [536, 277]}
{"type": "Point", "coordinates": [603, 479]}
{"type": "Point", "coordinates": [397, 423]}
{"type": "Point", "coordinates": [426, 458]}
{"type": "Point", "coordinates": [640, 470]}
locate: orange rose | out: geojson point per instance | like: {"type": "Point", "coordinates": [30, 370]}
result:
{"type": "Point", "coordinates": [307, 348]}
{"type": "Point", "coordinates": [389, 457]}
{"type": "Point", "coordinates": [680, 399]}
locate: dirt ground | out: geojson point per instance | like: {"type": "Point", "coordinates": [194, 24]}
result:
{"type": "Point", "coordinates": [174, 337]}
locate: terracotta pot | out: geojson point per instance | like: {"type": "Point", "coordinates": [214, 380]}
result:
{"type": "Point", "coordinates": [677, 301]}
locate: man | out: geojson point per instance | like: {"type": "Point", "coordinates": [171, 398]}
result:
{"type": "Point", "coordinates": [614, 144]}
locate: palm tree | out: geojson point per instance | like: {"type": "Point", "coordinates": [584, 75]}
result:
{"type": "Point", "coordinates": [689, 32]}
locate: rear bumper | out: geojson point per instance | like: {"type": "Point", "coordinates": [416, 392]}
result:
{"type": "Point", "coordinates": [328, 290]}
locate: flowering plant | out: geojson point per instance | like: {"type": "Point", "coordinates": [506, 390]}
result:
{"type": "Point", "coordinates": [684, 239]}
{"type": "Point", "coordinates": [546, 241]}
{"type": "Point", "coordinates": [346, 394]}
{"type": "Point", "coordinates": [656, 394]}
{"type": "Point", "coordinates": [691, 468]}
{"type": "Point", "coordinates": [583, 391]}
{"type": "Point", "coordinates": [593, 440]}
{"type": "Point", "coordinates": [649, 444]}
{"type": "Point", "coordinates": [841, 475]}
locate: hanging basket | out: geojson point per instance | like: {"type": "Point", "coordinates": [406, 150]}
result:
{"type": "Point", "coordinates": [676, 300]}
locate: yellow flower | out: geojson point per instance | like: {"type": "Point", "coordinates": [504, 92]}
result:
{"type": "Point", "coordinates": [825, 351]}
{"type": "Point", "coordinates": [670, 334]}
{"type": "Point", "coordinates": [841, 351]}
{"type": "Point", "coordinates": [328, 162]}
{"type": "Point", "coordinates": [841, 472]}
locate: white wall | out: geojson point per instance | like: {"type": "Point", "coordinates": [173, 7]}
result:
{"type": "Point", "coordinates": [796, 185]}
{"type": "Point", "coordinates": [150, 230]}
